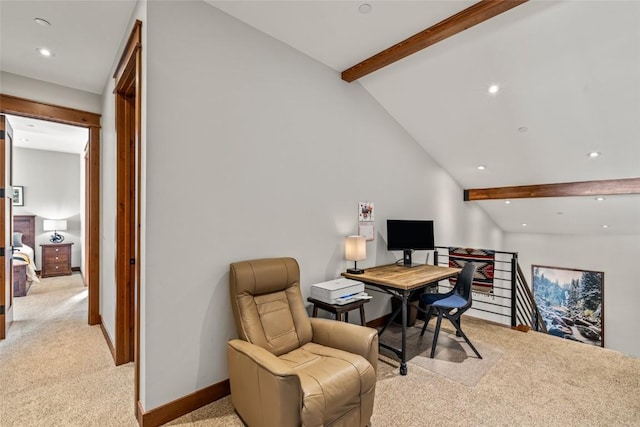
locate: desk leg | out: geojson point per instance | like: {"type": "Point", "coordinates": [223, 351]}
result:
{"type": "Point", "coordinates": [403, 358]}
{"type": "Point", "coordinates": [362, 321]}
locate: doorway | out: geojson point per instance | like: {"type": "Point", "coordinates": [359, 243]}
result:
{"type": "Point", "coordinates": [91, 121]}
{"type": "Point", "coordinates": [128, 102]}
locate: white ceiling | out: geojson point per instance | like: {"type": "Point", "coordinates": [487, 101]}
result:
{"type": "Point", "coordinates": [50, 136]}
{"type": "Point", "coordinates": [569, 72]}
{"type": "Point", "coordinates": [79, 30]}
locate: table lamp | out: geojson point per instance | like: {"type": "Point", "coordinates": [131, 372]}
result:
{"type": "Point", "coordinates": [355, 249]}
{"type": "Point", "coordinates": [55, 225]}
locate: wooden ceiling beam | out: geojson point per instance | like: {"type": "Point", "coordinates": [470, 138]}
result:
{"type": "Point", "coordinates": [453, 25]}
{"type": "Point", "coordinates": [584, 188]}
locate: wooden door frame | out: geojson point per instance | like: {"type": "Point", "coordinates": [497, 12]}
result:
{"type": "Point", "coordinates": [91, 121]}
{"type": "Point", "coordinates": [6, 270]}
{"type": "Point", "coordinates": [128, 103]}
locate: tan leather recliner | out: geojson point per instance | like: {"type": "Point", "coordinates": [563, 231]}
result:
{"type": "Point", "coordinates": [287, 369]}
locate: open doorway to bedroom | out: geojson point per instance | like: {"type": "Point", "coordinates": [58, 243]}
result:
{"type": "Point", "coordinates": [49, 197]}
{"type": "Point", "coordinates": [25, 108]}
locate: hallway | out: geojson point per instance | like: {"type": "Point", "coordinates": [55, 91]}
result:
{"type": "Point", "coordinates": [55, 369]}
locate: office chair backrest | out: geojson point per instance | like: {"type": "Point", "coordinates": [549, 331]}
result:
{"type": "Point", "coordinates": [465, 280]}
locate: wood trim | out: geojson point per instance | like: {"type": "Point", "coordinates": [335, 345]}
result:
{"type": "Point", "coordinates": [107, 338]}
{"type": "Point", "coordinates": [379, 322]}
{"type": "Point", "coordinates": [55, 113]}
{"type": "Point", "coordinates": [125, 201]}
{"type": "Point", "coordinates": [134, 43]}
{"type": "Point", "coordinates": [584, 188]}
{"type": "Point", "coordinates": [6, 205]}
{"type": "Point", "coordinates": [183, 405]}
{"type": "Point", "coordinates": [92, 250]}
{"type": "Point", "coordinates": [473, 15]}
{"type": "Point", "coordinates": [128, 102]}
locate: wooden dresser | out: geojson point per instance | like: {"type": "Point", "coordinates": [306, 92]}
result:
{"type": "Point", "coordinates": [56, 259]}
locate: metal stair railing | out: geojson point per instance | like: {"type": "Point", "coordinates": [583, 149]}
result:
{"type": "Point", "coordinates": [527, 312]}
{"type": "Point", "coordinates": [510, 302]}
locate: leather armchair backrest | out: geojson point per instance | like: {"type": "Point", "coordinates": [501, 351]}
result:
{"type": "Point", "coordinates": [267, 304]}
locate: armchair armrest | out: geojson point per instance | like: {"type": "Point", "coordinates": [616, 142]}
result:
{"type": "Point", "coordinates": [348, 337]}
{"type": "Point", "coordinates": [260, 382]}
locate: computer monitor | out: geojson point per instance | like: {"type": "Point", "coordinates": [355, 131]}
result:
{"type": "Point", "coordinates": [409, 235]}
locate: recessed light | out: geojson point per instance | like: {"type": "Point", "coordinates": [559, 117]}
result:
{"type": "Point", "coordinates": [594, 154]}
{"type": "Point", "coordinates": [365, 8]}
{"type": "Point", "coordinates": [507, 202]}
{"type": "Point", "coordinates": [493, 89]}
{"type": "Point", "coordinates": [559, 213]}
{"type": "Point", "coordinates": [481, 167]}
{"type": "Point", "coordinates": [523, 129]}
{"type": "Point", "coordinates": [42, 22]}
{"type": "Point", "coordinates": [605, 226]}
{"type": "Point", "coordinates": [600, 199]}
{"type": "Point", "coordinates": [44, 52]}
{"type": "Point", "coordinates": [524, 224]}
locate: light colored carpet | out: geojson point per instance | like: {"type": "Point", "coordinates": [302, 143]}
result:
{"type": "Point", "coordinates": [55, 370]}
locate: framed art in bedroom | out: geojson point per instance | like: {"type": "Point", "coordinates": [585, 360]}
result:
{"type": "Point", "coordinates": [571, 302]}
{"type": "Point", "coordinates": [18, 195]}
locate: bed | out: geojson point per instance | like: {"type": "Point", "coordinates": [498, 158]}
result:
{"type": "Point", "coordinates": [24, 267]}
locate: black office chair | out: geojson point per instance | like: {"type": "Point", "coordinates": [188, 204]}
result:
{"type": "Point", "coordinates": [458, 299]}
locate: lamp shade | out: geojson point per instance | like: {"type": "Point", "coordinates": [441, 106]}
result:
{"type": "Point", "coordinates": [54, 224]}
{"type": "Point", "coordinates": [355, 248]}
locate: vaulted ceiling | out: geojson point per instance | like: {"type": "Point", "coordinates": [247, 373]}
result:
{"type": "Point", "coordinates": [568, 74]}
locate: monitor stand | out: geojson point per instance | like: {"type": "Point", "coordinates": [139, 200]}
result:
{"type": "Point", "coordinates": [406, 258]}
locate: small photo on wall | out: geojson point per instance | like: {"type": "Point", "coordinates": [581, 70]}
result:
{"type": "Point", "coordinates": [18, 195]}
{"type": "Point", "coordinates": [365, 211]}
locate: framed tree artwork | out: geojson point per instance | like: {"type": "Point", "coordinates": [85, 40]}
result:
{"type": "Point", "coordinates": [571, 302]}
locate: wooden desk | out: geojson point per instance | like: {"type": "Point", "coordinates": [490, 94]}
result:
{"type": "Point", "coordinates": [400, 282]}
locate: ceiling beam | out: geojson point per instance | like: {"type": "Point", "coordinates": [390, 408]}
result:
{"type": "Point", "coordinates": [584, 188]}
{"type": "Point", "coordinates": [453, 25]}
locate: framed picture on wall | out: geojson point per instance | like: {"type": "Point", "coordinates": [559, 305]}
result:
{"type": "Point", "coordinates": [571, 302]}
{"type": "Point", "coordinates": [18, 195]}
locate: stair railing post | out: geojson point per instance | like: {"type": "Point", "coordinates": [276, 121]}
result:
{"type": "Point", "coordinates": [514, 295]}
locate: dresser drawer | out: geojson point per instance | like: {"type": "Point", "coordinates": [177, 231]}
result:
{"type": "Point", "coordinates": [55, 257]}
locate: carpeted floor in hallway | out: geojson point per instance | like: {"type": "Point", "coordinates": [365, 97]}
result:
{"type": "Point", "coordinates": [56, 370]}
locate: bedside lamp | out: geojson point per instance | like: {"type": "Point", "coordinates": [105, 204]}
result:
{"type": "Point", "coordinates": [355, 249]}
{"type": "Point", "coordinates": [55, 225]}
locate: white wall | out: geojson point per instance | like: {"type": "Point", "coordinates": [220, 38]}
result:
{"type": "Point", "coordinates": [615, 255]}
{"type": "Point", "coordinates": [51, 182]}
{"type": "Point", "coordinates": [37, 90]}
{"type": "Point", "coordinates": [256, 150]}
